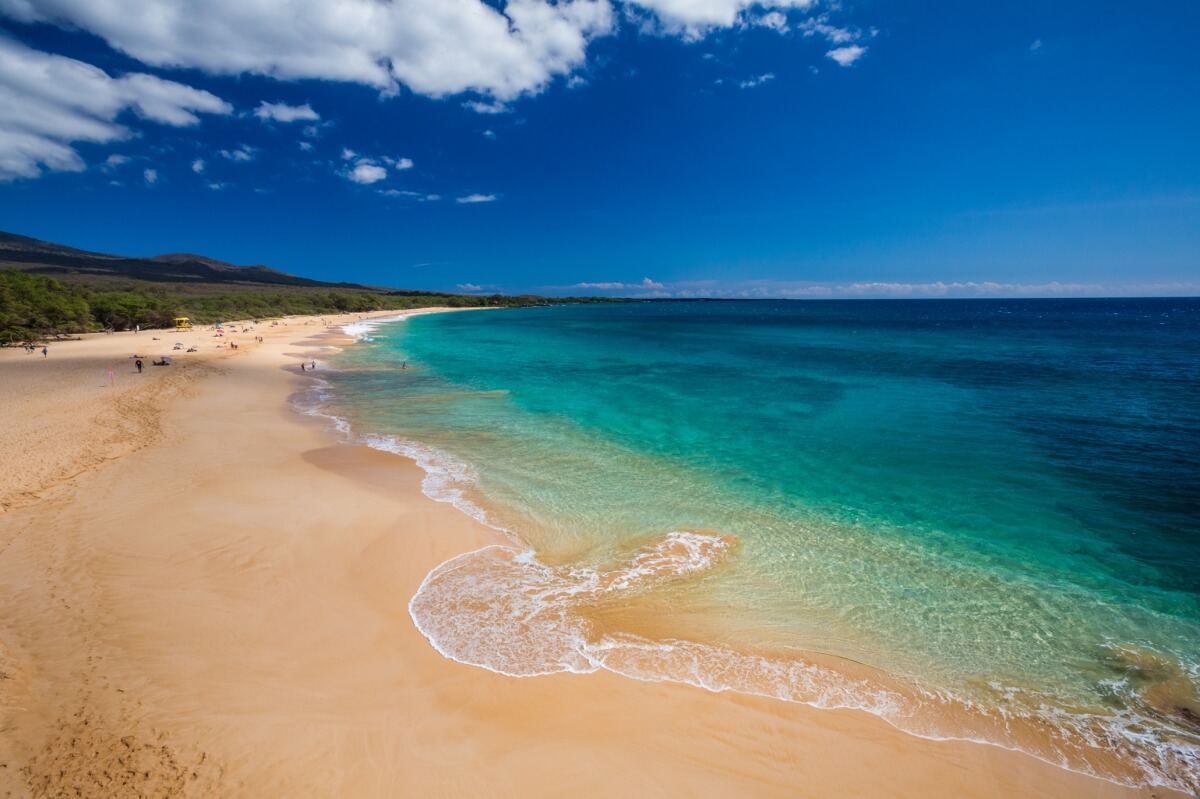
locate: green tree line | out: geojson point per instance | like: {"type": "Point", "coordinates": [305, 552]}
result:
{"type": "Point", "coordinates": [31, 306]}
{"type": "Point", "coordinates": [35, 306]}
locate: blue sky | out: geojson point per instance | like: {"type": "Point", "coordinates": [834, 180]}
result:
{"type": "Point", "coordinates": [651, 148]}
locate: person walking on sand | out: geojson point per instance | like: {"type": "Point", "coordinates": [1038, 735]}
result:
{"type": "Point", "coordinates": [45, 353]}
{"type": "Point", "coordinates": [138, 364]}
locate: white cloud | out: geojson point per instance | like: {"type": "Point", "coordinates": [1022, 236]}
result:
{"type": "Point", "coordinates": [431, 198]}
{"type": "Point", "coordinates": [242, 154]}
{"type": "Point", "coordinates": [198, 166]}
{"type": "Point", "coordinates": [469, 287]}
{"type": "Point", "coordinates": [151, 176]}
{"type": "Point", "coordinates": [472, 198]}
{"type": "Point", "coordinates": [434, 47]}
{"type": "Point", "coordinates": [820, 26]}
{"type": "Point", "coordinates": [216, 186]}
{"type": "Point", "coordinates": [646, 283]}
{"type": "Point", "coordinates": [693, 19]}
{"type": "Point", "coordinates": [766, 289]}
{"type": "Point", "coordinates": [282, 112]}
{"type": "Point", "coordinates": [114, 161]}
{"type": "Point", "coordinates": [48, 102]}
{"type": "Point", "coordinates": [489, 134]}
{"type": "Point", "coordinates": [845, 56]}
{"type": "Point", "coordinates": [1037, 45]}
{"type": "Point", "coordinates": [372, 170]}
{"type": "Point", "coordinates": [775, 20]}
{"type": "Point", "coordinates": [486, 108]}
{"type": "Point", "coordinates": [367, 172]}
{"type": "Point", "coordinates": [306, 146]}
{"type": "Point", "coordinates": [760, 80]}
{"type": "Point", "coordinates": [168, 102]}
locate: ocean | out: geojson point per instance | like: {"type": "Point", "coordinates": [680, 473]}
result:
{"type": "Point", "coordinates": [977, 519]}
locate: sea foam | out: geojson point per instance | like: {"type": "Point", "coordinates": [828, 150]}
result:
{"type": "Point", "coordinates": [501, 609]}
{"type": "Point", "coordinates": [362, 329]}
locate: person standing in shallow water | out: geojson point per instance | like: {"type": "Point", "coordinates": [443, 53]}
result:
{"type": "Point", "coordinates": [302, 366]}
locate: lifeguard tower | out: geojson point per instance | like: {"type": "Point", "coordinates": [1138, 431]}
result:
{"type": "Point", "coordinates": [182, 323]}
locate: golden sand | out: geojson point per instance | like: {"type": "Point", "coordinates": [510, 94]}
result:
{"type": "Point", "coordinates": [202, 593]}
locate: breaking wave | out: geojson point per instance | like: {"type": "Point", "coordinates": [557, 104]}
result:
{"type": "Point", "coordinates": [501, 609]}
{"type": "Point", "coordinates": [361, 330]}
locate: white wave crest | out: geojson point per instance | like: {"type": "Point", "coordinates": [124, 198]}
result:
{"type": "Point", "coordinates": [502, 609]}
{"type": "Point", "coordinates": [447, 479]}
{"type": "Point", "coordinates": [361, 330]}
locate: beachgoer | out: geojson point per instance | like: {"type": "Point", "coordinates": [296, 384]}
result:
{"type": "Point", "coordinates": [404, 365]}
{"type": "Point", "coordinates": [44, 353]}
{"type": "Point", "coordinates": [138, 364]}
{"type": "Point", "coordinates": [302, 366]}
{"type": "Point", "coordinates": [313, 367]}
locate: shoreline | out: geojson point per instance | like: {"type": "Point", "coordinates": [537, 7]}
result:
{"type": "Point", "coordinates": [215, 603]}
{"type": "Point", "coordinates": [816, 680]}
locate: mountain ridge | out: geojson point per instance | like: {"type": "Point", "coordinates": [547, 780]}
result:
{"type": "Point", "coordinates": [36, 256]}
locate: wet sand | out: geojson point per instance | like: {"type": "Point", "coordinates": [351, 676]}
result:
{"type": "Point", "coordinates": [202, 593]}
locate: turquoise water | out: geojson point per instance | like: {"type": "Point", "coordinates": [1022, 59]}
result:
{"type": "Point", "coordinates": [977, 519]}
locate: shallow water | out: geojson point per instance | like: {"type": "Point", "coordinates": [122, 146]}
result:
{"type": "Point", "coordinates": [991, 505]}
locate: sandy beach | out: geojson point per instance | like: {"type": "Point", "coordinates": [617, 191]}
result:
{"type": "Point", "coordinates": [203, 593]}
